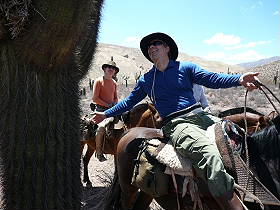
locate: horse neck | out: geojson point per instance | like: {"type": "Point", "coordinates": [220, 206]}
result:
{"type": "Point", "coordinates": [143, 115]}
{"type": "Point", "coordinates": [147, 120]}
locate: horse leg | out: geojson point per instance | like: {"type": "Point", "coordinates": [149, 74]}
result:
{"type": "Point", "coordinates": [121, 193]}
{"type": "Point", "coordinates": [86, 160]}
{"type": "Point", "coordinates": [128, 191]}
{"type": "Point", "coordinates": [125, 167]}
{"type": "Point", "coordinates": [112, 200]}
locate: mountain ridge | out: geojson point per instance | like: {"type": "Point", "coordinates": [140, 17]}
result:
{"type": "Point", "coordinates": [132, 62]}
{"type": "Point", "coordinates": [261, 62]}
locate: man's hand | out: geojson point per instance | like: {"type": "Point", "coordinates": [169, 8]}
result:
{"type": "Point", "coordinates": [98, 117]}
{"type": "Point", "coordinates": [247, 80]}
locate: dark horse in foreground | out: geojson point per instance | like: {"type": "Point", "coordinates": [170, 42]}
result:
{"type": "Point", "coordinates": [124, 195]}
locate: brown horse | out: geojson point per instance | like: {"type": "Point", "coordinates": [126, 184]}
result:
{"type": "Point", "coordinates": [145, 115]}
{"type": "Point", "coordinates": [255, 122]}
{"type": "Point", "coordinates": [124, 195]}
{"type": "Point", "coordinates": [142, 115]}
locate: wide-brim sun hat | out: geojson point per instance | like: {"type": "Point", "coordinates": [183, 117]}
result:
{"type": "Point", "coordinates": [144, 43]}
{"type": "Point", "coordinates": [110, 64]}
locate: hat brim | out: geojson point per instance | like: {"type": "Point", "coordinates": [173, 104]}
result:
{"type": "Point", "coordinates": [106, 65]}
{"type": "Point", "coordinates": [159, 36]}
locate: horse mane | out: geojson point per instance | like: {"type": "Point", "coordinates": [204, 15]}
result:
{"type": "Point", "coordinates": [276, 122]}
{"type": "Point", "coordinates": [268, 135]}
{"type": "Point", "coordinates": [124, 133]}
{"type": "Point", "coordinates": [126, 115]}
{"type": "Point", "coordinates": [264, 150]}
{"type": "Point", "coordinates": [238, 110]}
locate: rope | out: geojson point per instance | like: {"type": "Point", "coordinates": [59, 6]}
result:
{"type": "Point", "coordinates": [152, 117]}
{"type": "Point", "coordinates": [176, 188]}
{"type": "Point", "coordinates": [153, 120]}
{"type": "Point", "coordinates": [251, 195]}
{"type": "Point", "coordinates": [246, 145]}
{"type": "Point", "coordinates": [259, 85]}
{"type": "Point", "coordinates": [124, 125]}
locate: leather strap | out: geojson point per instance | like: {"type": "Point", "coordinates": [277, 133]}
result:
{"type": "Point", "coordinates": [179, 113]}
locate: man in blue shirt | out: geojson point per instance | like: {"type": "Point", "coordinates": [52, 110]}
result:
{"type": "Point", "coordinates": [169, 84]}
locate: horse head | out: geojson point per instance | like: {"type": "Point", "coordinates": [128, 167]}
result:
{"type": "Point", "coordinates": [255, 122]}
{"type": "Point", "coordinates": [142, 115]}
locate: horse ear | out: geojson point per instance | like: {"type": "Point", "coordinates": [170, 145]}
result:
{"type": "Point", "coordinates": [152, 108]}
{"type": "Point", "coordinates": [276, 121]}
{"type": "Point", "coordinates": [125, 116]}
{"type": "Point", "coordinates": [271, 115]}
{"type": "Point", "coordinates": [262, 120]}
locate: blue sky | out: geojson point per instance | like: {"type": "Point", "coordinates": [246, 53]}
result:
{"type": "Point", "coordinates": [230, 31]}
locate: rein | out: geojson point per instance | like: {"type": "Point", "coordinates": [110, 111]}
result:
{"type": "Point", "coordinates": [153, 120]}
{"type": "Point", "coordinates": [259, 86]}
{"type": "Point", "coordinates": [246, 145]}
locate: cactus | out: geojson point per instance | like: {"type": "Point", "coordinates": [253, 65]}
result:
{"type": "Point", "coordinates": [42, 61]}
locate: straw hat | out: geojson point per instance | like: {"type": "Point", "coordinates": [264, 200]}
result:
{"type": "Point", "coordinates": [110, 64]}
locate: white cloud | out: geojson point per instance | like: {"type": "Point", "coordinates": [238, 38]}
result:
{"type": "Point", "coordinates": [223, 39]}
{"type": "Point", "coordinates": [276, 13]}
{"type": "Point", "coordinates": [242, 57]}
{"type": "Point", "coordinates": [248, 45]}
{"type": "Point", "coordinates": [250, 55]}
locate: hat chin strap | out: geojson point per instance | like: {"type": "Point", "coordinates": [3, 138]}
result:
{"type": "Point", "coordinates": [161, 66]}
{"type": "Point", "coordinates": [156, 64]}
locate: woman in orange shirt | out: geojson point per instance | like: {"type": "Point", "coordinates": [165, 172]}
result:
{"type": "Point", "coordinates": [104, 96]}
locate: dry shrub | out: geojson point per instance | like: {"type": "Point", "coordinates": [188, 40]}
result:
{"type": "Point", "coordinates": [222, 99]}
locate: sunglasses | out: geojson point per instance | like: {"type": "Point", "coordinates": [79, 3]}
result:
{"type": "Point", "coordinates": [155, 43]}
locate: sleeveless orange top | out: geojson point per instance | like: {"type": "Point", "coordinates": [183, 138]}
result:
{"type": "Point", "coordinates": [104, 91]}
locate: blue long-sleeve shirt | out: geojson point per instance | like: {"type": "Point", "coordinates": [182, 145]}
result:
{"type": "Point", "coordinates": [171, 90]}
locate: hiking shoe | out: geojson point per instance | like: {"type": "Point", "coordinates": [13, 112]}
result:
{"type": "Point", "coordinates": [101, 157]}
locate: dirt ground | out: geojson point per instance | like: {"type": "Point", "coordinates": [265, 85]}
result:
{"type": "Point", "coordinates": [100, 174]}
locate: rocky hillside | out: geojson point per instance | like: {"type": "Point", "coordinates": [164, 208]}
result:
{"type": "Point", "coordinates": [268, 71]}
{"type": "Point", "coordinates": [131, 61]}
{"type": "Point", "coordinates": [259, 62]}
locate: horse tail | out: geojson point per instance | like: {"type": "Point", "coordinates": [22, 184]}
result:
{"type": "Point", "coordinates": [112, 199]}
